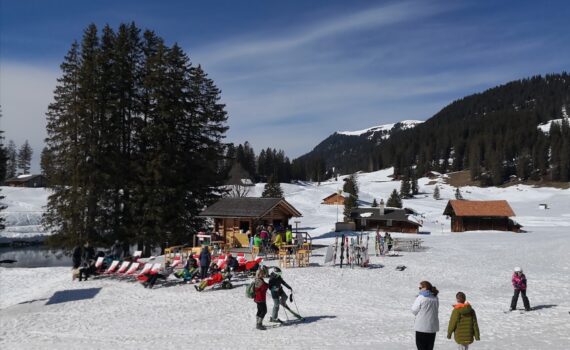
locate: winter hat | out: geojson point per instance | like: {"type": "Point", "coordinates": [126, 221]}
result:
{"type": "Point", "coordinates": [518, 269]}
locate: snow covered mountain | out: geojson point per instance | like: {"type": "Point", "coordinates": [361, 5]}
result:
{"type": "Point", "coordinates": [382, 131]}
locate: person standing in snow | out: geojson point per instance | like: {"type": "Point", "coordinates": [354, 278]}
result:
{"type": "Point", "coordinates": [117, 250]}
{"type": "Point", "coordinates": [205, 259]}
{"type": "Point", "coordinates": [260, 288]}
{"type": "Point", "coordinates": [277, 293]}
{"type": "Point", "coordinates": [519, 284]}
{"type": "Point", "coordinates": [426, 308]}
{"type": "Point", "coordinates": [389, 241]}
{"type": "Point", "coordinates": [463, 323]}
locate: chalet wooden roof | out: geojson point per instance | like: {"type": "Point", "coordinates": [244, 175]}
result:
{"type": "Point", "coordinates": [333, 195]}
{"type": "Point", "coordinates": [394, 214]}
{"type": "Point", "coordinates": [247, 207]}
{"type": "Point", "coordinates": [500, 208]}
{"type": "Point", "coordinates": [23, 178]}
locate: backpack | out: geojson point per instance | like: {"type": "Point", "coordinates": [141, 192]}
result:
{"type": "Point", "coordinates": [250, 290]}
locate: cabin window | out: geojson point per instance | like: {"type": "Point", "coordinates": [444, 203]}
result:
{"type": "Point", "coordinates": [244, 226]}
{"type": "Point", "coordinates": [363, 222]}
{"type": "Point", "coordinates": [388, 222]}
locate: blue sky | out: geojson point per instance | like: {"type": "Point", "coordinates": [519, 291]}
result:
{"type": "Point", "coordinates": [293, 72]}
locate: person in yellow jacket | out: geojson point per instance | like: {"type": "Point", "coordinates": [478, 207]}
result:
{"type": "Point", "coordinates": [289, 235]}
{"type": "Point", "coordinates": [463, 323]}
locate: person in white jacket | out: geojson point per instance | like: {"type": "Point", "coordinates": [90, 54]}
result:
{"type": "Point", "coordinates": [426, 309]}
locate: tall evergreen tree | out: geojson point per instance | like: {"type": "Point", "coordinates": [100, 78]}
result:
{"type": "Point", "coordinates": [351, 187]}
{"type": "Point", "coordinates": [135, 134]}
{"type": "Point", "coordinates": [436, 194]}
{"type": "Point", "coordinates": [415, 187]}
{"type": "Point", "coordinates": [11, 160]}
{"type": "Point", "coordinates": [394, 201]}
{"type": "Point", "coordinates": [374, 203]}
{"type": "Point", "coordinates": [272, 189]}
{"type": "Point", "coordinates": [458, 194]}
{"type": "Point", "coordinates": [405, 188]}
{"type": "Point", "coordinates": [25, 157]}
{"type": "Point", "coordinates": [3, 163]}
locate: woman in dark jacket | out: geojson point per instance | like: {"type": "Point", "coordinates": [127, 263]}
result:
{"type": "Point", "coordinates": [205, 259]}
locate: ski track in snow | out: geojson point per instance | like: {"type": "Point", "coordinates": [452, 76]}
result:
{"type": "Point", "coordinates": [343, 307]}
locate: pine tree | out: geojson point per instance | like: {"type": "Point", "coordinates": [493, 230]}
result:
{"type": "Point", "coordinates": [436, 194]}
{"type": "Point", "coordinates": [135, 136]}
{"type": "Point", "coordinates": [374, 203]}
{"type": "Point", "coordinates": [415, 187]}
{"type": "Point", "coordinates": [458, 194]}
{"type": "Point", "coordinates": [25, 157]}
{"type": "Point", "coordinates": [11, 160]}
{"type": "Point", "coordinates": [3, 161]}
{"type": "Point", "coordinates": [351, 187]}
{"type": "Point", "coordinates": [272, 189]}
{"type": "Point", "coordinates": [395, 201]}
{"type": "Point", "coordinates": [405, 188]}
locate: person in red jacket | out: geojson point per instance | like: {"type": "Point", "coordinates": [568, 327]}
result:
{"type": "Point", "coordinates": [260, 288]}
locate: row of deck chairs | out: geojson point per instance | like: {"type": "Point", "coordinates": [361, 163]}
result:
{"type": "Point", "coordinates": [134, 269]}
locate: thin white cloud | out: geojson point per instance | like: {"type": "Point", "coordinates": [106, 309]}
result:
{"type": "Point", "coordinates": [383, 15]}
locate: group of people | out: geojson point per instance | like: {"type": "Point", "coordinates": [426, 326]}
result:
{"type": "Point", "coordinates": [84, 256]}
{"type": "Point", "coordinates": [271, 237]}
{"type": "Point", "coordinates": [275, 285]}
{"type": "Point", "coordinates": [383, 243]}
{"type": "Point", "coordinates": [463, 321]}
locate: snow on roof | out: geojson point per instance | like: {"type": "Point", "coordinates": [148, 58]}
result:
{"type": "Point", "coordinates": [405, 124]}
{"type": "Point", "coordinates": [23, 176]}
{"type": "Point", "coordinates": [366, 215]}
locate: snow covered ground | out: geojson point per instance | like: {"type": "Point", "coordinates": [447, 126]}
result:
{"type": "Point", "coordinates": [357, 307]}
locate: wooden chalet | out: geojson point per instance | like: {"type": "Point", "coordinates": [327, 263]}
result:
{"type": "Point", "coordinates": [385, 219]}
{"type": "Point", "coordinates": [27, 180]}
{"type": "Point", "coordinates": [334, 199]}
{"type": "Point", "coordinates": [481, 216]}
{"type": "Point", "coordinates": [236, 218]}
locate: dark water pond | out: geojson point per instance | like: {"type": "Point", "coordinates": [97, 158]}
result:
{"type": "Point", "coordinates": [35, 256]}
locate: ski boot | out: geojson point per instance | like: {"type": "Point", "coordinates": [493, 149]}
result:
{"type": "Point", "coordinates": [275, 320]}
{"type": "Point", "coordinates": [259, 325]}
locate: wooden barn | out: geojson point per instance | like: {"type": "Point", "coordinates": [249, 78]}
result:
{"type": "Point", "coordinates": [27, 180]}
{"type": "Point", "coordinates": [334, 199]}
{"type": "Point", "coordinates": [481, 215]}
{"type": "Point", "coordinates": [385, 219]}
{"type": "Point", "coordinates": [236, 218]}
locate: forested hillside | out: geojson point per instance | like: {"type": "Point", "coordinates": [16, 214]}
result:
{"type": "Point", "coordinates": [494, 134]}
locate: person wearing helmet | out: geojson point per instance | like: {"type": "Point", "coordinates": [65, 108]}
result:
{"type": "Point", "coordinates": [519, 284]}
{"type": "Point", "coordinates": [277, 294]}
{"type": "Point", "coordinates": [260, 288]}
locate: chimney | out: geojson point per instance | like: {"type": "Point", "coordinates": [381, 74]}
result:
{"type": "Point", "coordinates": [381, 207]}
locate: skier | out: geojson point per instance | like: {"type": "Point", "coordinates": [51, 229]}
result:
{"type": "Point", "coordinates": [389, 241]}
{"type": "Point", "coordinates": [519, 284]}
{"type": "Point", "coordinates": [277, 293]}
{"type": "Point", "coordinates": [463, 323]}
{"type": "Point", "coordinates": [260, 288]}
{"type": "Point", "coordinates": [426, 310]}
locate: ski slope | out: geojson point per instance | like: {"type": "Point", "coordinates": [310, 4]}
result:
{"type": "Point", "coordinates": [356, 308]}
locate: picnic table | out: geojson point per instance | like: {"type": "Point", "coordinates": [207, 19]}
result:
{"type": "Point", "coordinates": [408, 244]}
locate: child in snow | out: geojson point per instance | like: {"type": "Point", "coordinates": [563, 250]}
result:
{"type": "Point", "coordinates": [519, 284]}
{"type": "Point", "coordinates": [463, 323]}
{"type": "Point", "coordinates": [260, 288]}
{"type": "Point", "coordinates": [189, 271]}
{"type": "Point", "coordinates": [277, 293]}
{"type": "Point", "coordinates": [426, 309]}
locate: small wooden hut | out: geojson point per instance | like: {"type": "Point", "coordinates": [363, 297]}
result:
{"type": "Point", "coordinates": [385, 219]}
{"type": "Point", "coordinates": [236, 218]}
{"type": "Point", "coordinates": [481, 216]}
{"type": "Point", "coordinates": [334, 199]}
